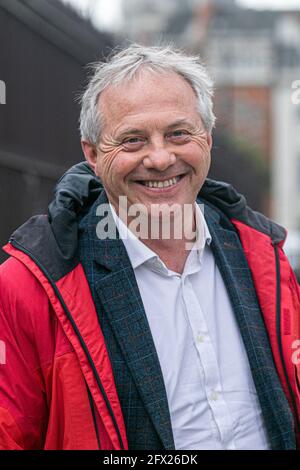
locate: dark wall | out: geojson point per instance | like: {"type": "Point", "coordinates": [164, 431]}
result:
{"type": "Point", "coordinates": [39, 123]}
{"type": "Point", "coordinates": [40, 117]}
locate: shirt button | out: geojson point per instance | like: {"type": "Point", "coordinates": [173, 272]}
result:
{"type": "Point", "coordinates": [200, 338]}
{"type": "Point", "coordinates": [214, 395]}
{"type": "Point", "coordinates": [156, 264]}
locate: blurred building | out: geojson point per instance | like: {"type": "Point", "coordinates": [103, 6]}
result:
{"type": "Point", "coordinates": [286, 122]}
{"type": "Point", "coordinates": [155, 21]}
{"type": "Point", "coordinates": [239, 53]}
{"type": "Point", "coordinates": [255, 57]}
{"type": "Point", "coordinates": [44, 49]}
{"type": "Point", "coordinates": [176, 21]}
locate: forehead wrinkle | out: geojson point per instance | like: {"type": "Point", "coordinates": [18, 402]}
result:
{"type": "Point", "coordinates": [149, 87]}
{"type": "Point", "coordinates": [149, 82]}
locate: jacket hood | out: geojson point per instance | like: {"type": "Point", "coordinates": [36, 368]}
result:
{"type": "Point", "coordinates": [79, 188]}
{"type": "Point", "coordinates": [225, 198]}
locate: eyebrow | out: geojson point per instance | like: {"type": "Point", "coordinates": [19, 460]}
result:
{"type": "Point", "coordinates": [180, 122]}
{"type": "Point", "coordinates": [135, 130]}
{"type": "Point", "coordinates": [129, 131]}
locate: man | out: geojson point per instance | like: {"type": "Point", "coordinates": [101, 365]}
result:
{"type": "Point", "coordinates": [125, 339]}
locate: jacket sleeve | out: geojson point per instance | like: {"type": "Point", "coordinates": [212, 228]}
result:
{"type": "Point", "coordinates": [23, 408]}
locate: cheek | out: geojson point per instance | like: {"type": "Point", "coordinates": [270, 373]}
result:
{"type": "Point", "coordinates": [201, 143]}
{"type": "Point", "coordinates": [116, 165]}
{"type": "Point", "coordinates": [105, 163]}
{"type": "Point", "coordinates": [197, 154]}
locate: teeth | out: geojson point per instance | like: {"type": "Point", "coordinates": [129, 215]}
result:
{"type": "Point", "coordinates": [162, 184]}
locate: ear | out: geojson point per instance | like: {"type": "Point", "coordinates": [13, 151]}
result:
{"type": "Point", "coordinates": [90, 154]}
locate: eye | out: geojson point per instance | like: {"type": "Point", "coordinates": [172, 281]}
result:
{"type": "Point", "coordinates": [178, 136]}
{"type": "Point", "coordinates": [133, 143]}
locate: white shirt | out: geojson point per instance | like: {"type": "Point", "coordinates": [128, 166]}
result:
{"type": "Point", "coordinates": [211, 395]}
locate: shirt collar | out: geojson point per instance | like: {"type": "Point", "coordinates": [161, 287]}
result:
{"type": "Point", "coordinates": [139, 253]}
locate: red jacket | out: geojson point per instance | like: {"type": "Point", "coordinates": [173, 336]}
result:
{"type": "Point", "coordinates": [57, 388]}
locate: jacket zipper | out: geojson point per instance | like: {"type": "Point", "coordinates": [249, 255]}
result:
{"type": "Point", "coordinates": [18, 246]}
{"type": "Point", "coordinates": [278, 332]}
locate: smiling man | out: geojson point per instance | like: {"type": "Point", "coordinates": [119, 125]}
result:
{"type": "Point", "coordinates": [136, 341]}
{"type": "Point", "coordinates": [154, 149]}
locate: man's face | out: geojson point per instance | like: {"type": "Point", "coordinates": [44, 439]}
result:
{"type": "Point", "coordinates": [153, 147]}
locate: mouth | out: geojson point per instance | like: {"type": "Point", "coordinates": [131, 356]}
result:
{"type": "Point", "coordinates": [161, 185]}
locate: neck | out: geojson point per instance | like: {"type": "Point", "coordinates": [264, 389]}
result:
{"type": "Point", "coordinates": [169, 237]}
{"type": "Point", "coordinates": [172, 252]}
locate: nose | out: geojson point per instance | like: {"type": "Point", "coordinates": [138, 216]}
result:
{"type": "Point", "coordinates": [159, 158]}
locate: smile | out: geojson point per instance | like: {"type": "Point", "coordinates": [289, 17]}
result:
{"type": "Point", "coordinates": [158, 184]}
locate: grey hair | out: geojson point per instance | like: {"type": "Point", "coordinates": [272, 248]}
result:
{"type": "Point", "coordinates": [125, 64]}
